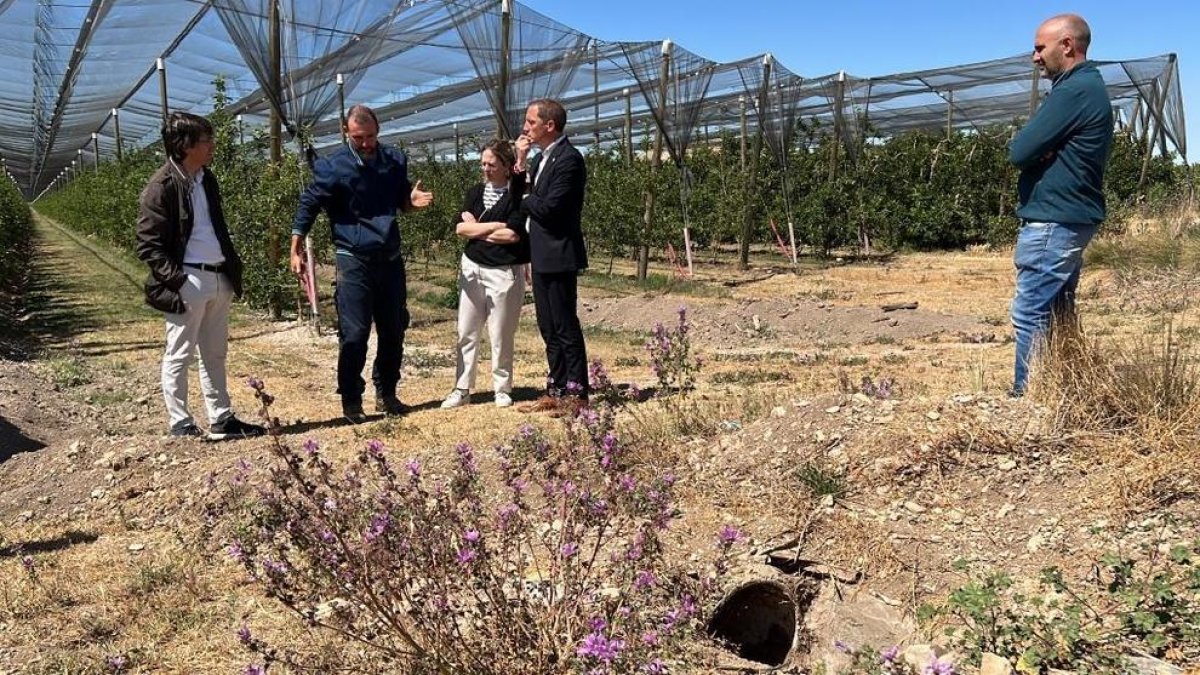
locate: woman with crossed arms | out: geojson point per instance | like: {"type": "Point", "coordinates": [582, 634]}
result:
{"type": "Point", "coordinates": [491, 279]}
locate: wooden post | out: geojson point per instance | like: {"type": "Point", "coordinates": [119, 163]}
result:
{"type": "Point", "coordinates": [274, 82]}
{"type": "Point", "coordinates": [628, 126]}
{"type": "Point", "coordinates": [116, 115]}
{"type": "Point", "coordinates": [742, 104]}
{"type": "Point", "coordinates": [505, 69]}
{"type": "Point", "coordinates": [643, 268]}
{"type": "Point", "coordinates": [341, 87]}
{"type": "Point", "coordinates": [751, 182]}
{"type": "Point", "coordinates": [162, 88]}
{"type": "Point", "coordinates": [95, 152]}
{"type": "Point", "coordinates": [1155, 107]}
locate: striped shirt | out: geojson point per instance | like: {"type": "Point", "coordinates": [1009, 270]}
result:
{"type": "Point", "coordinates": [492, 194]}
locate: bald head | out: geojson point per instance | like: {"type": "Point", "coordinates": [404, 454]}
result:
{"type": "Point", "coordinates": [1061, 43]}
{"type": "Point", "coordinates": [1072, 26]}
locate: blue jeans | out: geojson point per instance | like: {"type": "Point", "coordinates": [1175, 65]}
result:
{"type": "Point", "coordinates": [1048, 259]}
{"type": "Point", "coordinates": [370, 290]}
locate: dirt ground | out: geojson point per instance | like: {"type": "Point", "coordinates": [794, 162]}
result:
{"type": "Point", "coordinates": [946, 467]}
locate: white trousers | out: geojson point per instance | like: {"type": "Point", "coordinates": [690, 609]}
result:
{"type": "Point", "coordinates": [204, 327]}
{"type": "Point", "coordinates": [494, 294]}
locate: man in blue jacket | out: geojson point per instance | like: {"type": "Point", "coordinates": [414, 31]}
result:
{"type": "Point", "coordinates": [361, 186]}
{"type": "Point", "coordinates": [1061, 152]}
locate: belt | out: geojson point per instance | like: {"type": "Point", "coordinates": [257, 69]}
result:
{"type": "Point", "coordinates": [205, 267]}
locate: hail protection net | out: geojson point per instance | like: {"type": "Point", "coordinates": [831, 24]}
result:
{"type": "Point", "coordinates": [444, 74]}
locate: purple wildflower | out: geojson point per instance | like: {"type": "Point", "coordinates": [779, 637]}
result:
{"type": "Point", "coordinates": [255, 383]}
{"type": "Point", "coordinates": [938, 667]}
{"type": "Point", "coordinates": [842, 647]}
{"type": "Point", "coordinates": [27, 563]}
{"type": "Point", "coordinates": [466, 556]}
{"type": "Point", "coordinates": [254, 669]}
{"type": "Point", "coordinates": [471, 536]}
{"type": "Point", "coordinates": [568, 549]}
{"type": "Point", "coordinates": [116, 663]}
{"type": "Point", "coordinates": [379, 524]}
{"type": "Point", "coordinates": [311, 446]}
{"type": "Point", "coordinates": [600, 648]}
{"type": "Point", "coordinates": [375, 448]}
{"type": "Point", "coordinates": [890, 654]}
{"type": "Point", "coordinates": [235, 551]}
{"type": "Point", "coordinates": [655, 667]}
{"type": "Point", "coordinates": [244, 636]}
{"type": "Point", "coordinates": [413, 467]}
{"type": "Point", "coordinates": [729, 535]}
{"type": "Point", "coordinates": [597, 624]}
{"type": "Point", "coordinates": [645, 579]}
{"type": "Point", "coordinates": [466, 458]}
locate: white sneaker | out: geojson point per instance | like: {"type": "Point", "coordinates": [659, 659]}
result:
{"type": "Point", "coordinates": [457, 398]}
{"type": "Point", "coordinates": [503, 400]}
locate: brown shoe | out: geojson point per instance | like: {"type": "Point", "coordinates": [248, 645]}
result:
{"type": "Point", "coordinates": [544, 404]}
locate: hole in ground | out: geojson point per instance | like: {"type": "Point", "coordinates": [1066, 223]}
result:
{"type": "Point", "coordinates": [757, 621]}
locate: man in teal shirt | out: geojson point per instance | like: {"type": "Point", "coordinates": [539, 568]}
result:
{"type": "Point", "coordinates": [1061, 152]}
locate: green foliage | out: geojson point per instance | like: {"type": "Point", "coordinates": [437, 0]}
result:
{"type": "Point", "coordinates": [16, 251]}
{"type": "Point", "coordinates": [1144, 604]}
{"type": "Point", "coordinates": [920, 190]}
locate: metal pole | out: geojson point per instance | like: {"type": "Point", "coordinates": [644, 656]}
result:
{"type": "Point", "coordinates": [116, 115]}
{"type": "Point", "coordinates": [241, 124]}
{"type": "Point", "coordinates": [839, 100]}
{"type": "Point", "coordinates": [162, 88]}
{"type": "Point", "coordinates": [341, 87]}
{"type": "Point", "coordinates": [457, 144]}
{"type": "Point", "coordinates": [95, 152]}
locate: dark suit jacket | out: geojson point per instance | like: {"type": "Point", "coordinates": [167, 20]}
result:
{"type": "Point", "coordinates": [554, 206]}
{"type": "Point", "coordinates": [163, 229]}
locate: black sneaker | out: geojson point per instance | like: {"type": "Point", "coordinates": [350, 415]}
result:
{"type": "Point", "coordinates": [353, 412]}
{"type": "Point", "coordinates": [232, 427]}
{"type": "Point", "coordinates": [186, 429]}
{"type": "Point", "coordinates": [389, 405]}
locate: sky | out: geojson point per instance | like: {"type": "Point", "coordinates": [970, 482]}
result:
{"type": "Point", "coordinates": [879, 37]}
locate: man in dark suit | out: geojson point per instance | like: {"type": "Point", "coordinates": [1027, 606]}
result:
{"type": "Point", "coordinates": [554, 206]}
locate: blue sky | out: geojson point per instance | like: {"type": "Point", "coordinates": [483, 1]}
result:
{"type": "Point", "coordinates": [878, 37]}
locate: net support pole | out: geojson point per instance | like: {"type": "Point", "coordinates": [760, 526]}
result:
{"type": "Point", "coordinates": [116, 116]}
{"type": "Point", "coordinates": [742, 119]}
{"type": "Point", "coordinates": [596, 92]}
{"type": "Point", "coordinates": [1155, 107]}
{"type": "Point", "coordinates": [752, 179]}
{"type": "Point", "coordinates": [505, 69]}
{"type": "Point", "coordinates": [839, 101]}
{"type": "Point", "coordinates": [628, 126]}
{"type": "Point", "coordinates": [161, 66]}
{"type": "Point", "coordinates": [274, 82]}
{"type": "Point", "coordinates": [950, 113]}
{"type": "Point", "coordinates": [241, 128]}
{"type": "Point", "coordinates": [643, 268]}
{"type": "Point", "coordinates": [1034, 92]}
{"type": "Point", "coordinates": [341, 89]}
{"type": "Point", "coordinates": [457, 144]}
{"type": "Point", "coordinates": [95, 152]}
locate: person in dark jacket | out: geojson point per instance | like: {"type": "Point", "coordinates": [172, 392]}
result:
{"type": "Point", "coordinates": [194, 275]}
{"type": "Point", "coordinates": [1061, 152]}
{"type": "Point", "coordinates": [361, 186]}
{"type": "Point", "coordinates": [554, 207]}
{"type": "Point", "coordinates": [491, 278]}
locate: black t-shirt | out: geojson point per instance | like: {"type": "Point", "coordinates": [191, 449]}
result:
{"type": "Point", "coordinates": [507, 210]}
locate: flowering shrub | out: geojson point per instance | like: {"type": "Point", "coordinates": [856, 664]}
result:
{"type": "Point", "coordinates": [605, 392]}
{"type": "Point", "coordinates": [553, 563]}
{"type": "Point", "coordinates": [671, 356]}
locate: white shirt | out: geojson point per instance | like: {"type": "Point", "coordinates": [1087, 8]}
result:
{"type": "Point", "coordinates": [203, 247]}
